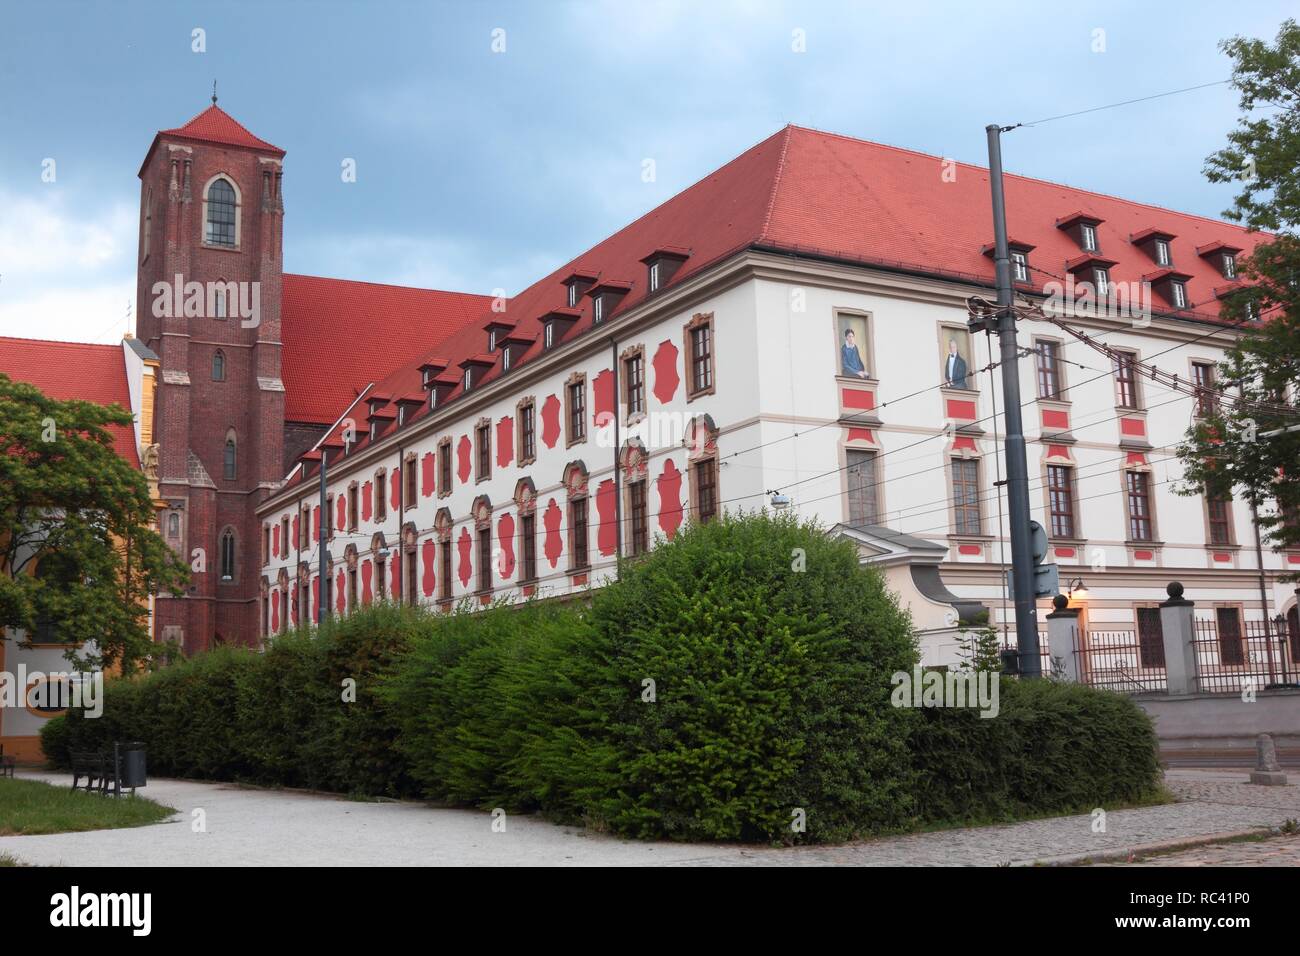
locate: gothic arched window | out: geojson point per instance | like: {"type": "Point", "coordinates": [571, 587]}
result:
{"type": "Point", "coordinates": [228, 461]}
{"type": "Point", "coordinates": [218, 366]}
{"type": "Point", "coordinates": [228, 555]}
{"type": "Point", "coordinates": [221, 211]}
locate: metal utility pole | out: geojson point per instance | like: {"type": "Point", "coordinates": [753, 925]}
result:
{"type": "Point", "coordinates": [322, 588]}
{"type": "Point", "coordinates": [1022, 557]}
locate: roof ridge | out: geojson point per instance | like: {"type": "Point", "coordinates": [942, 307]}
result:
{"type": "Point", "coordinates": [94, 345]}
{"type": "Point", "coordinates": [776, 182]}
{"type": "Point", "coordinates": [1025, 178]}
{"type": "Point", "coordinates": [387, 285]}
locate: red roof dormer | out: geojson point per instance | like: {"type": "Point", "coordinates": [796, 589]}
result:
{"type": "Point", "coordinates": [662, 264]}
{"type": "Point", "coordinates": [605, 298]}
{"type": "Point", "coordinates": [577, 283]}
{"type": "Point", "coordinates": [1082, 227]}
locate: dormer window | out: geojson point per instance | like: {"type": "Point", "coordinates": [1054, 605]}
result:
{"type": "Point", "coordinates": [469, 378]}
{"type": "Point", "coordinates": [1082, 227]}
{"type": "Point", "coordinates": [401, 415]}
{"type": "Point", "coordinates": [598, 311]}
{"type": "Point", "coordinates": [492, 340]}
{"type": "Point", "coordinates": [374, 430]}
{"type": "Point", "coordinates": [573, 295]}
{"type": "Point", "coordinates": [662, 264]}
{"type": "Point", "coordinates": [433, 399]}
{"type": "Point", "coordinates": [1229, 266]}
{"type": "Point", "coordinates": [1019, 266]}
{"type": "Point", "coordinates": [550, 334]}
{"type": "Point", "coordinates": [1101, 279]}
{"type": "Point", "coordinates": [505, 361]}
{"type": "Point", "coordinates": [1088, 237]}
{"type": "Point", "coordinates": [1162, 252]}
{"type": "Point", "coordinates": [1178, 293]}
{"type": "Point", "coordinates": [654, 277]}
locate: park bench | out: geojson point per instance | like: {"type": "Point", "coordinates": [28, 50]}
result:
{"type": "Point", "coordinates": [6, 763]}
{"type": "Point", "coordinates": [95, 767]}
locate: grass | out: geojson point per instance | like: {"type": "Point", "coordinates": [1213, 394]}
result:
{"type": "Point", "coordinates": [29, 807]}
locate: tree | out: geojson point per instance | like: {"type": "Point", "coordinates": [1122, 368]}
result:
{"type": "Point", "coordinates": [78, 551]}
{"type": "Point", "coordinates": [1231, 451]}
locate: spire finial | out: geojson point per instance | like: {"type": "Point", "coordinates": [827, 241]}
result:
{"type": "Point", "coordinates": [214, 92]}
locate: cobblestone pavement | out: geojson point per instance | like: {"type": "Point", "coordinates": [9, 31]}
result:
{"type": "Point", "coordinates": [1276, 851]}
{"type": "Point", "coordinates": [253, 827]}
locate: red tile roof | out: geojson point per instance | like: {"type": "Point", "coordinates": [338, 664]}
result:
{"type": "Point", "coordinates": [67, 370]}
{"type": "Point", "coordinates": [807, 192]}
{"type": "Point", "coordinates": [215, 125]}
{"type": "Point", "coordinates": [340, 335]}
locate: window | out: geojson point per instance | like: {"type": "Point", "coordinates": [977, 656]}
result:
{"type": "Point", "coordinates": [352, 589]}
{"type": "Point", "coordinates": [528, 547]}
{"type": "Point", "coordinates": [966, 496]}
{"type": "Point", "coordinates": [469, 378]}
{"type": "Point", "coordinates": [1179, 292]}
{"type": "Point", "coordinates": [549, 334]}
{"type": "Point", "coordinates": [862, 484]}
{"type": "Point", "coordinates": [352, 508]}
{"type": "Point", "coordinates": [1126, 388]}
{"type": "Point", "coordinates": [640, 525]}
{"type": "Point", "coordinates": [634, 388]}
{"type": "Point", "coordinates": [228, 460]}
{"type": "Point", "coordinates": [527, 434]}
{"type": "Point", "coordinates": [1219, 511]}
{"type": "Point", "coordinates": [598, 310]}
{"type": "Point", "coordinates": [412, 577]}
{"type": "Point", "coordinates": [483, 447]}
{"type": "Point", "coordinates": [578, 532]}
{"type": "Point", "coordinates": [1060, 500]}
{"type": "Point", "coordinates": [485, 559]}
{"type": "Point", "coordinates": [327, 519]}
{"type": "Point", "coordinates": [1229, 627]}
{"type": "Point", "coordinates": [221, 214]}
{"type": "Point", "coordinates": [1162, 252]}
{"type": "Point", "coordinates": [706, 490]}
{"type": "Point", "coordinates": [1151, 637]}
{"type": "Point", "coordinates": [304, 527]}
{"type": "Point", "coordinates": [1020, 266]}
{"type": "Point", "coordinates": [573, 294]}
{"type": "Point", "coordinates": [228, 555]}
{"type": "Point", "coordinates": [219, 304]}
{"type": "Point", "coordinates": [505, 360]}
{"type": "Point", "coordinates": [1101, 278]}
{"type": "Point", "coordinates": [381, 579]}
{"type": "Point", "coordinates": [699, 355]}
{"type": "Point", "coordinates": [218, 366]}
{"type": "Point", "coordinates": [173, 525]}
{"type": "Point", "coordinates": [409, 478]}
{"type": "Point", "coordinates": [1229, 266]}
{"type": "Point", "coordinates": [381, 495]}
{"type": "Point", "coordinates": [1203, 379]}
{"type": "Point", "coordinates": [444, 568]}
{"type": "Point", "coordinates": [492, 340]}
{"type": "Point", "coordinates": [284, 534]}
{"type": "Point", "coordinates": [1138, 486]}
{"type": "Point", "coordinates": [577, 410]}
{"type": "Point", "coordinates": [654, 277]}
{"type": "Point", "coordinates": [444, 467]}
{"type": "Point", "coordinates": [1047, 361]}
{"type": "Point", "coordinates": [1088, 234]}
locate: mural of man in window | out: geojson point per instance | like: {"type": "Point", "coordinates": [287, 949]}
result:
{"type": "Point", "coordinates": [954, 363]}
{"type": "Point", "coordinates": [851, 363]}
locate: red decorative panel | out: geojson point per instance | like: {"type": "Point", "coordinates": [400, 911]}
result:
{"type": "Point", "coordinates": [275, 540]}
{"type": "Point", "coordinates": [340, 594]}
{"type": "Point", "coordinates": [1055, 418]}
{"type": "Point", "coordinates": [960, 408]}
{"type": "Point", "coordinates": [341, 503]}
{"type": "Point", "coordinates": [395, 576]}
{"type": "Point", "coordinates": [529, 590]}
{"type": "Point", "coordinates": [1220, 556]}
{"type": "Point", "coordinates": [367, 572]}
{"type": "Point", "coordinates": [970, 549]}
{"type": "Point", "coordinates": [1143, 556]}
{"type": "Point", "coordinates": [862, 434]}
{"type": "Point", "coordinates": [462, 459]}
{"type": "Point", "coordinates": [607, 535]}
{"type": "Point", "coordinates": [426, 474]}
{"type": "Point", "coordinates": [484, 600]}
{"type": "Point", "coordinates": [506, 542]}
{"type": "Point", "coordinates": [505, 441]}
{"type": "Point", "coordinates": [964, 443]}
{"type": "Point", "coordinates": [857, 398]}
{"type": "Point", "coordinates": [315, 599]}
{"type": "Point", "coordinates": [275, 611]}
{"type": "Point", "coordinates": [296, 532]}
{"type": "Point", "coordinates": [464, 545]}
{"type": "Point", "coordinates": [427, 579]}
{"type": "Point", "coordinates": [670, 499]}
{"type": "Point", "coordinates": [553, 546]}
{"type": "Point", "coordinates": [293, 608]}
{"type": "Point", "coordinates": [550, 421]}
{"type": "Point", "coordinates": [395, 490]}
{"type": "Point", "coordinates": [579, 580]}
{"type": "Point", "coordinates": [665, 366]}
{"type": "Point", "coordinates": [1293, 559]}
{"type": "Point", "coordinates": [1058, 451]}
{"type": "Point", "coordinates": [366, 491]}
{"type": "Point", "coordinates": [1065, 552]}
{"type": "Point", "coordinates": [1136, 458]}
{"type": "Point", "coordinates": [602, 398]}
{"type": "Point", "coordinates": [1132, 426]}
{"type": "Point", "coordinates": [315, 523]}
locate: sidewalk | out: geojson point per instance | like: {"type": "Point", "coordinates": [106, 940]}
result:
{"type": "Point", "coordinates": [253, 827]}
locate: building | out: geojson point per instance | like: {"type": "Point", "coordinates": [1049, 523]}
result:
{"type": "Point", "coordinates": [124, 375]}
{"type": "Point", "coordinates": [794, 323]}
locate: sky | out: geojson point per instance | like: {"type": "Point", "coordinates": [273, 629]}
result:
{"type": "Point", "coordinates": [493, 142]}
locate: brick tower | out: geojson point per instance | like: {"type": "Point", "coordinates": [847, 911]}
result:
{"type": "Point", "coordinates": [208, 303]}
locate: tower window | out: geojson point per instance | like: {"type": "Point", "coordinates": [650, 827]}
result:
{"type": "Point", "coordinates": [218, 366]}
{"type": "Point", "coordinates": [228, 555]}
{"type": "Point", "coordinates": [228, 460]}
{"type": "Point", "coordinates": [221, 214]}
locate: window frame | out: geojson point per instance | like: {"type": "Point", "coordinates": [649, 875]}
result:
{"type": "Point", "coordinates": [1129, 386]}
{"type": "Point", "coordinates": [236, 209]}
{"type": "Point", "coordinates": [964, 496]}
{"type": "Point", "coordinates": [575, 412]}
{"type": "Point", "coordinates": [1061, 513]}
{"type": "Point", "coordinates": [1137, 491]}
{"type": "Point", "coordinates": [638, 508]}
{"type": "Point", "coordinates": [1052, 375]}
{"type": "Point", "coordinates": [701, 322]}
{"type": "Point", "coordinates": [854, 458]}
{"type": "Point", "coordinates": [482, 450]}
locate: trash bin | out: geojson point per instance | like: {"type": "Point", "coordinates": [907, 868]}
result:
{"type": "Point", "coordinates": [131, 764]}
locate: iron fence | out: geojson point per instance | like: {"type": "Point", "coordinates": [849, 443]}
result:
{"type": "Point", "coordinates": [1234, 655]}
{"type": "Point", "coordinates": [1120, 660]}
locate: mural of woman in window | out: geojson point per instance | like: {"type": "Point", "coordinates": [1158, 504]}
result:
{"type": "Point", "coordinates": [852, 361]}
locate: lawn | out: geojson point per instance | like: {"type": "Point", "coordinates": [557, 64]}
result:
{"type": "Point", "coordinates": [29, 807]}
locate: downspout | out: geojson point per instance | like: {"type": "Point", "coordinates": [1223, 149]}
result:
{"type": "Point", "coordinates": [618, 490]}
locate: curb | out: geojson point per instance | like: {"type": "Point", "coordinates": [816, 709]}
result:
{"type": "Point", "coordinates": [1137, 849]}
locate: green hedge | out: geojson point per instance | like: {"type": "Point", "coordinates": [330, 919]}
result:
{"type": "Point", "coordinates": [729, 684]}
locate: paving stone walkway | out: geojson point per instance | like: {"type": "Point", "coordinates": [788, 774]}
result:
{"type": "Point", "coordinates": [1275, 851]}
{"type": "Point", "coordinates": [254, 827]}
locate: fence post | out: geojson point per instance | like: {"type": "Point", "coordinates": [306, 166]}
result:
{"type": "Point", "coordinates": [1179, 631]}
{"type": "Point", "coordinates": [1062, 634]}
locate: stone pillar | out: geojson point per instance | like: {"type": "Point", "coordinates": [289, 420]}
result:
{"type": "Point", "coordinates": [1063, 640]}
{"type": "Point", "coordinates": [1179, 636]}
